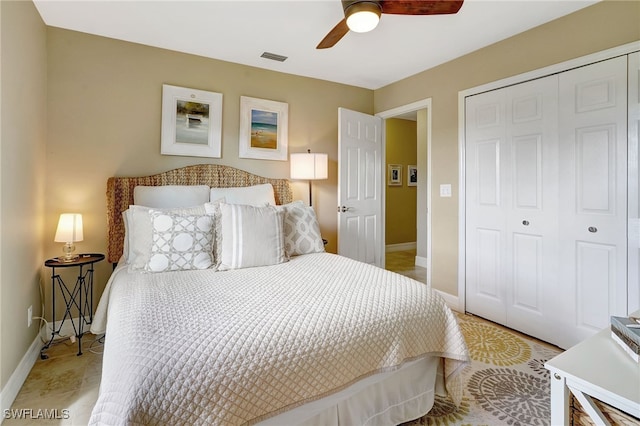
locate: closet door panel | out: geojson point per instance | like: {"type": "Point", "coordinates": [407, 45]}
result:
{"type": "Point", "coordinates": [485, 211]}
{"type": "Point", "coordinates": [593, 196]}
{"type": "Point", "coordinates": [633, 191]}
{"type": "Point", "coordinates": [532, 205]}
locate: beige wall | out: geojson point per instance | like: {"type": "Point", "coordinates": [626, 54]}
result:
{"type": "Point", "coordinates": [400, 201]}
{"type": "Point", "coordinates": [599, 27]}
{"type": "Point", "coordinates": [104, 112]}
{"type": "Point", "coordinates": [23, 122]}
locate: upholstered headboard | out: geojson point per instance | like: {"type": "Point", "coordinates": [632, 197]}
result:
{"type": "Point", "coordinates": [120, 193]}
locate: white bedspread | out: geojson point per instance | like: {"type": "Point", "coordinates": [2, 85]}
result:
{"type": "Point", "coordinates": [236, 347]}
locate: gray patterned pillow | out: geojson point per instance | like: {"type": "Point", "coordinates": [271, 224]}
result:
{"type": "Point", "coordinates": [301, 230]}
{"type": "Point", "coordinates": [180, 242]}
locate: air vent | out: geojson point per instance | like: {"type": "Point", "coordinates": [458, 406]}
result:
{"type": "Point", "coordinates": [273, 57]}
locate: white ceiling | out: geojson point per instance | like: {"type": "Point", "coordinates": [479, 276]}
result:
{"type": "Point", "coordinates": [240, 31]}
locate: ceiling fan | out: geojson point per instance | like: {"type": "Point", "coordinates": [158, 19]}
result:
{"type": "Point", "coordinates": [363, 15]}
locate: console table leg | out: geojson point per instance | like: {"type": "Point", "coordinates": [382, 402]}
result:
{"type": "Point", "coordinates": [559, 400]}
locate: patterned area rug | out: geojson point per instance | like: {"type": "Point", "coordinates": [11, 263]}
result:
{"type": "Point", "coordinates": [505, 384]}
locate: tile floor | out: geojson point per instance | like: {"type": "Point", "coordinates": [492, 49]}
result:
{"type": "Point", "coordinates": [64, 381]}
{"type": "Point", "coordinates": [403, 262]}
{"type": "Point", "coordinates": [69, 382]}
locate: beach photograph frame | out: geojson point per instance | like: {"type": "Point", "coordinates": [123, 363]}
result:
{"type": "Point", "coordinates": [191, 122]}
{"type": "Point", "coordinates": [263, 129]}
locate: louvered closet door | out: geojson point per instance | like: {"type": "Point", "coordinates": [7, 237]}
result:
{"type": "Point", "coordinates": [593, 197]}
{"type": "Point", "coordinates": [511, 205]}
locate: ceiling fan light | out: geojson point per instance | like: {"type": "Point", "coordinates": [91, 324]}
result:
{"type": "Point", "coordinates": [363, 16]}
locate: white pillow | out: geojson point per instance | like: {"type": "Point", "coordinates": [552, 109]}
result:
{"type": "Point", "coordinates": [250, 236]}
{"type": "Point", "coordinates": [301, 230]}
{"type": "Point", "coordinates": [180, 242]}
{"type": "Point", "coordinates": [170, 196]}
{"type": "Point", "coordinates": [257, 195]}
{"type": "Point", "coordinates": [138, 232]}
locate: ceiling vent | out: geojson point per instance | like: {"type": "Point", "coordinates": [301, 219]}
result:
{"type": "Point", "coordinates": [273, 57]}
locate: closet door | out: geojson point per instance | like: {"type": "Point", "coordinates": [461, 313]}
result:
{"type": "Point", "coordinates": [633, 132]}
{"type": "Point", "coordinates": [511, 216]}
{"type": "Point", "coordinates": [486, 219]}
{"type": "Point", "coordinates": [532, 207]}
{"type": "Point", "coordinates": [593, 197]}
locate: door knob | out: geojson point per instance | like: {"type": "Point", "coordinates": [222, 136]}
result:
{"type": "Point", "coordinates": [343, 209]}
{"type": "Point", "coordinates": [593, 229]}
{"type": "Point", "coordinates": [525, 222]}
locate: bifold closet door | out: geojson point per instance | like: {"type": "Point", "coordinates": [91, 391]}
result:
{"type": "Point", "coordinates": [546, 203]}
{"type": "Point", "coordinates": [593, 197]}
{"type": "Point", "coordinates": [511, 205]}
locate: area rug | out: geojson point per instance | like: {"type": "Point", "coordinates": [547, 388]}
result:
{"type": "Point", "coordinates": [505, 384]}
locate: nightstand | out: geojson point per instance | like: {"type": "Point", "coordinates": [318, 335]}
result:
{"type": "Point", "coordinates": [80, 296]}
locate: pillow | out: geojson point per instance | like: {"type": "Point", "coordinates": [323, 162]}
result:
{"type": "Point", "coordinates": [170, 196]}
{"type": "Point", "coordinates": [138, 232]}
{"type": "Point", "coordinates": [250, 236]}
{"type": "Point", "coordinates": [301, 230]}
{"type": "Point", "coordinates": [180, 242]}
{"type": "Point", "coordinates": [213, 209]}
{"type": "Point", "coordinates": [257, 195]}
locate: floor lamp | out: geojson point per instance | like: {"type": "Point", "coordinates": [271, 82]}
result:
{"type": "Point", "coordinates": [309, 166]}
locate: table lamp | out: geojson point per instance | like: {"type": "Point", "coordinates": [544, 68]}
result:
{"type": "Point", "coordinates": [69, 231]}
{"type": "Point", "coordinates": [309, 166]}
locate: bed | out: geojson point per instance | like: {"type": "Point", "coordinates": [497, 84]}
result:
{"type": "Point", "coordinates": [267, 330]}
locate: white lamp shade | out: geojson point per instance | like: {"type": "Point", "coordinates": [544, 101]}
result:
{"type": "Point", "coordinates": [309, 166]}
{"type": "Point", "coordinates": [69, 228]}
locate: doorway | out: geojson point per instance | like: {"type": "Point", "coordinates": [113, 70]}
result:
{"type": "Point", "coordinates": [411, 258]}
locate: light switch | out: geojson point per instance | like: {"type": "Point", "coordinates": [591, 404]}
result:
{"type": "Point", "coordinates": [445, 190]}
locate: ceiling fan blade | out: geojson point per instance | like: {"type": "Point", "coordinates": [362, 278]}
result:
{"type": "Point", "coordinates": [420, 7]}
{"type": "Point", "coordinates": [334, 35]}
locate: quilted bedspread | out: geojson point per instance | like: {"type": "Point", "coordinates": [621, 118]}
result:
{"type": "Point", "coordinates": [237, 347]}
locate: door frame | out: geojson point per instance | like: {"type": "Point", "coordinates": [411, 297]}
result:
{"type": "Point", "coordinates": [390, 113]}
{"type": "Point", "coordinates": [520, 78]}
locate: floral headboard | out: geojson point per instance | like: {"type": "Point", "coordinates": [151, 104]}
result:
{"type": "Point", "coordinates": [120, 193]}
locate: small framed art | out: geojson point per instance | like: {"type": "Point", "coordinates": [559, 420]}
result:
{"type": "Point", "coordinates": [263, 129]}
{"type": "Point", "coordinates": [394, 175]}
{"type": "Point", "coordinates": [412, 175]}
{"type": "Point", "coordinates": [191, 122]}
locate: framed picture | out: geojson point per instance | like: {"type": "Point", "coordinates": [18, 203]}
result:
{"type": "Point", "coordinates": [191, 122]}
{"type": "Point", "coordinates": [263, 129]}
{"type": "Point", "coordinates": [412, 175]}
{"type": "Point", "coordinates": [394, 175]}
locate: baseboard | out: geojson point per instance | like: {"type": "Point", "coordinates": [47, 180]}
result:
{"type": "Point", "coordinates": [400, 247]}
{"type": "Point", "coordinates": [449, 299]}
{"type": "Point", "coordinates": [423, 262]}
{"type": "Point", "coordinates": [17, 379]}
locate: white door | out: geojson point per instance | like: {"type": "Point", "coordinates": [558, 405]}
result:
{"type": "Point", "coordinates": [633, 230]}
{"type": "Point", "coordinates": [593, 196]}
{"type": "Point", "coordinates": [512, 199]}
{"type": "Point", "coordinates": [546, 203]}
{"type": "Point", "coordinates": [360, 186]}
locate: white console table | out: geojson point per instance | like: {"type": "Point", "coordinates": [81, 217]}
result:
{"type": "Point", "coordinates": [595, 368]}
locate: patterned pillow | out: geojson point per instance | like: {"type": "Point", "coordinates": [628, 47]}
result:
{"type": "Point", "coordinates": [250, 236]}
{"type": "Point", "coordinates": [138, 232]}
{"type": "Point", "coordinates": [180, 242]}
{"type": "Point", "coordinates": [301, 230]}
